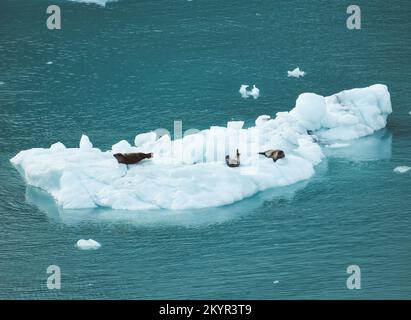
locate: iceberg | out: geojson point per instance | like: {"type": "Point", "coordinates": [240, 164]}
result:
{"type": "Point", "coordinates": [89, 244]}
{"type": "Point", "coordinates": [190, 172]}
{"type": "Point", "coordinates": [188, 218]}
{"type": "Point", "coordinates": [243, 91]}
{"type": "Point", "coordinates": [402, 169]}
{"type": "Point", "coordinates": [296, 73]}
{"type": "Point", "coordinates": [254, 92]}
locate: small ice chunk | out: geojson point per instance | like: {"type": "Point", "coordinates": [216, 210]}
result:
{"type": "Point", "coordinates": [255, 92]}
{"type": "Point", "coordinates": [276, 281]}
{"type": "Point", "coordinates": [408, 112]}
{"type": "Point", "coordinates": [85, 142]}
{"type": "Point", "coordinates": [402, 169]}
{"type": "Point", "coordinates": [89, 244]}
{"type": "Point", "coordinates": [143, 138]}
{"type": "Point", "coordinates": [296, 73]}
{"type": "Point", "coordinates": [243, 91]}
{"type": "Point", "coordinates": [49, 62]}
{"type": "Point", "coordinates": [337, 145]}
{"type": "Point", "coordinates": [2, 82]}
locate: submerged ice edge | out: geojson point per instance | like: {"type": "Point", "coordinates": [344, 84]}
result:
{"type": "Point", "coordinates": [190, 172]}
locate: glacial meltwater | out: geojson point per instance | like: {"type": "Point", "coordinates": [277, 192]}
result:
{"type": "Point", "coordinates": [186, 225]}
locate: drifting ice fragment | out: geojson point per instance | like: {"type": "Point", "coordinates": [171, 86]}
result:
{"type": "Point", "coordinates": [296, 73]}
{"type": "Point", "coordinates": [402, 169]}
{"type": "Point", "coordinates": [255, 92]}
{"type": "Point", "coordinates": [89, 244]}
{"type": "Point", "coordinates": [243, 91]}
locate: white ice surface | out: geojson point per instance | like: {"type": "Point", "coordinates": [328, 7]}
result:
{"type": "Point", "coordinates": [245, 93]}
{"type": "Point", "coordinates": [191, 172]}
{"type": "Point", "coordinates": [296, 73]}
{"type": "Point", "coordinates": [89, 244]}
{"type": "Point", "coordinates": [402, 169]}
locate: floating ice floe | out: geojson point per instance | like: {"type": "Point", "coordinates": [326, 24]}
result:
{"type": "Point", "coordinates": [254, 92]}
{"type": "Point", "coordinates": [402, 169]}
{"type": "Point", "coordinates": [89, 244]}
{"type": "Point", "coordinates": [296, 73]}
{"type": "Point", "coordinates": [49, 62]}
{"type": "Point", "coordinates": [243, 91]}
{"type": "Point", "coordinates": [1, 83]}
{"type": "Point", "coordinates": [190, 172]}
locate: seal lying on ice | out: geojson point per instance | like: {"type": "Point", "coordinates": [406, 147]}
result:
{"type": "Point", "coordinates": [233, 163]}
{"type": "Point", "coordinates": [132, 158]}
{"type": "Point", "coordinates": [273, 154]}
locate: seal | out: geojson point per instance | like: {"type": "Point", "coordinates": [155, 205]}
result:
{"type": "Point", "coordinates": [233, 163]}
{"type": "Point", "coordinates": [132, 158]}
{"type": "Point", "coordinates": [273, 154]}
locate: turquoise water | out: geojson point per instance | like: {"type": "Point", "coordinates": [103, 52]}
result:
{"type": "Point", "coordinates": [135, 66]}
